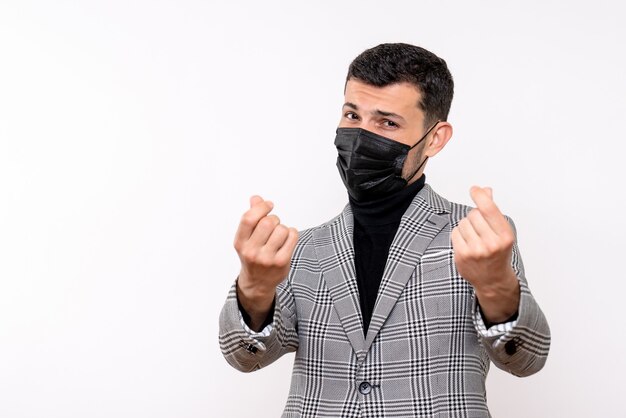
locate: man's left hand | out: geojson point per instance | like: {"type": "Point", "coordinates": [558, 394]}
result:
{"type": "Point", "coordinates": [482, 243]}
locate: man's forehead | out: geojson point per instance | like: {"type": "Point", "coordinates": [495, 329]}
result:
{"type": "Point", "coordinates": [391, 98]}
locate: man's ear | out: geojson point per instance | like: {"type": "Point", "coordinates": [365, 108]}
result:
{"type": "Point", "coordinates": [438, 139]}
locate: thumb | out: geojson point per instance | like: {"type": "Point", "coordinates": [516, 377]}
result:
{"type": "Point", "coordinates": [255, 200]}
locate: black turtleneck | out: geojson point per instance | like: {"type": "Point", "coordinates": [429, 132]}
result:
{"type": "Point", "coordinates": [375, 225]}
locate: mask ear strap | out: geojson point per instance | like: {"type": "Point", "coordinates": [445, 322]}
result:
{"type": "Point", "coordinates": [416, 170]}
{"type": "Point", "coordinates": [425, 135]}
{"type": "Point", "coordinates": [425, 159]}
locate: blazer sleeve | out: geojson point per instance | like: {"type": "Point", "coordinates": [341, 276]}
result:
{"type": "Point", "coordinates": [522, 347]}
{"type": "Point", "coordinates": [248, 352]}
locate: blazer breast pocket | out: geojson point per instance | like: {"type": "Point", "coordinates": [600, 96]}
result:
{"type": "Point", "coordinates": [436, 260]}
{"type": "Point", "coordinates": [443, 293]}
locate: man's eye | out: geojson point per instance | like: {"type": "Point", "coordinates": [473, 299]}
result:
{"type": "Point", "coordinates": [390, 124]}
{"type": "Point", "coordinates": [351, 116]}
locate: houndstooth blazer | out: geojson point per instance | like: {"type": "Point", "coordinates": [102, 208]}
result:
{"type": "Point", "coordinates": [426, 352]}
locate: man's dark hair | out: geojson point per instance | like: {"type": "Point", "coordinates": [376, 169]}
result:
{"type": "Point", "coordinates": [387, 64]}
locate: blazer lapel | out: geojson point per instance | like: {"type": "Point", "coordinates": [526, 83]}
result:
{"type": "Point", "coordinates": [335, 252]}
{"type": "Point", "coordinates": [419, 225]}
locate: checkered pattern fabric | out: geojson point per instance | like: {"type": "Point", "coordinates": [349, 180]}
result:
{"type": "Point", "coordinates": [426, 352]}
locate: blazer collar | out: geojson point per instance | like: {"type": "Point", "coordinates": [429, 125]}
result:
{"type": "Point", "coordinates": [420, 224]}
{"type": "Point", "coordinates": [422, 221]}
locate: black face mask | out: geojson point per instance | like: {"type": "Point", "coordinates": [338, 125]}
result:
{"type": "Point", "coordinates": [371, 165]}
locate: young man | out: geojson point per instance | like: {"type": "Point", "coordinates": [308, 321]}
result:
{"type": "Point", "coordinates": [395, 307]}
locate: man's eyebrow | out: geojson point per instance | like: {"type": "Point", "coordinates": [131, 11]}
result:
{"type": "Point", "coordinates": [388, 114]}
{"type": "Point", "coordinates": [377, 112]}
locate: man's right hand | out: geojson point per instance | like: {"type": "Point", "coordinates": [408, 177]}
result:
{"type": "Point", "coordinates": [265, 248]}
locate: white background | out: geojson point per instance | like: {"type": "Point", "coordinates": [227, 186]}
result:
{"type": "Point", "coordinates": [133, 132]}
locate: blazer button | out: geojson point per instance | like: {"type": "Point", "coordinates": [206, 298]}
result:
{"type": "Point", "coordinates": [510, 347]}
{"type": "Point", "coordinates": [365, 388]}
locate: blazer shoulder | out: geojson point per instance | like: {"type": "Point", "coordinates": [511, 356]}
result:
{"type": "Point", "coordinates": [306, 237]}
{"type": "Point", "coordinates": [458, 211]}
{"type": "Point", "coordinates": [439, 204]}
